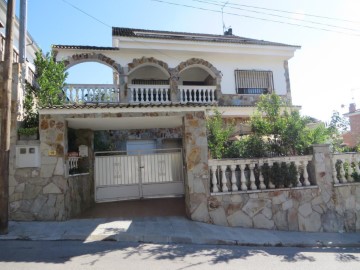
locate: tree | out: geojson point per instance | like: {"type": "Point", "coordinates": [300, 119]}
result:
{"type": "Point", "coordinates": [218, 135]}
{"type": "Point", "coordinates": [284, 133]}
{"type": "Point", "coordinates": [50, 79]}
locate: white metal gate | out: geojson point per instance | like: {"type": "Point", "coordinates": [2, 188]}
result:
{"type": "Point", "coordinates": [119, 176]}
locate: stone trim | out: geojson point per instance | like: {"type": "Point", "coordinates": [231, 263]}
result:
{"type": "Point", "coordinates": [92, 57]}
{"type": "Point", "coordinates": [138, 62]}
{"type": "Point", "coordinates": [198, 62]}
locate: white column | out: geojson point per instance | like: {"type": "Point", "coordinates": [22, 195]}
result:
{"type": "Point", "coordinates": [242, 177]}
{"type": "Point", "coordinates": [252, 177]}
{"type": "Point", "coordinates": [224, 187]}
{"type": "Point", "coordinates": [298, 168]}
{"type": "Point", "coordinates": [234, 187]}
{"type": "Point", "coordinates": [336, 181]}
{"type": "Point", "coordinates": [342, 172]}
{"type": "Point", "coordinates": [306, 175]}
{"type": "Point", "coordinates": [214, 179]}
{"type": "Point", "coordinates": [271, 185]}
{"type": "Point", "coordinates": [261, 177]}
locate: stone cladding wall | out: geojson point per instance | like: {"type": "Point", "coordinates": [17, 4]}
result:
{"type": "Point", "coordinates": [325, 207]}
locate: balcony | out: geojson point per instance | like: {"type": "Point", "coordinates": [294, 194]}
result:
{"type": "Point", "coordinates": [138, 94]}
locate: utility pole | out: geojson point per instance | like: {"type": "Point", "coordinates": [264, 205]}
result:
{"type": "Point", "coordinates": [5, 124]}
{"type": "Point", "coordinates": [22, 32]}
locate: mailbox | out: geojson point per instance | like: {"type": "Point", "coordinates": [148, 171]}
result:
{"type": "Point", "coordinates": [27, 156]}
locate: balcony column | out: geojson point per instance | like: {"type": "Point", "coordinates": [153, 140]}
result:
{"type": "Point", "coordinates": [122, 83]}
{"type": "Point", "coordinates": [174, 82]}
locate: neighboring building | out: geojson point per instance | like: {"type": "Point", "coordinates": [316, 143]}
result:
{"type": "Point", "coordinates": [352, 138]}
{"type": "Point", "coordinates": [165, 85]}
{"type": "Point", "coordinates": [31, 48]}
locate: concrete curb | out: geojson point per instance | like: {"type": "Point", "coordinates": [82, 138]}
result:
{"type": "Point", "coordinates": [172, 230]}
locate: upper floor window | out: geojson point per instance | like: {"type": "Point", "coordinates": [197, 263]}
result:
{"type": "Point", "coordinates": [253, 82]}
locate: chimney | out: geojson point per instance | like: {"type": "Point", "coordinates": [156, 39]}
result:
{"type": "Point", "coordinates": [228, 32]}
{"type": "Point", "coordinates": [352, 107]}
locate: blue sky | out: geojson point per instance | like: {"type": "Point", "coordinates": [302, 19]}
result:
{"type": "Point", "coordinates": [323, 73]}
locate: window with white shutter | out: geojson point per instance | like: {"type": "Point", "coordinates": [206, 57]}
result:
{"type": "Point", "coordinates": [253, 82]}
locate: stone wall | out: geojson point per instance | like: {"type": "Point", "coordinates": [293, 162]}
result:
{"type": "Point", "coordinates": [45, 193]}
{"type": "Point", "coordinates": [325, 207]}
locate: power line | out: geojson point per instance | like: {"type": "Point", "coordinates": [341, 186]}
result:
{"type": "Point", "coordinates": [107, 25]}
{"type": "Point", "coordinates": [87, 14]}
{"type": "Point", "coordinates": [279, 16]}
{"type": "Point", "coordinates": [291, 12]}
{"type": "Point", "coordinates": [257, 18]}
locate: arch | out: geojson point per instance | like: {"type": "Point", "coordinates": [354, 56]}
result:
{"type": "Point", "coordinates": [92, 57]}
{"type": "Point", "coordinates": [148, 61]}
{"type": "Point", "coordinates": [201, 63]}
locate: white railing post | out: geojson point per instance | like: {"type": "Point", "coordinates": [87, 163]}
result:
{"type": "Point", "coordinates": [350, 178]}
{"type": "Point", "coordinates": [306, 175]}
{"type": "Point", "coordinates": [242, 177]}
{"type": "Point", "coordinates": [234, 187]}
{"type": "Point", "coordinates": [261, 177]}
{"type": "Point", "coordinates": [214, 179]}
{"type": "Point", "coordinates": [271, 185]}
{"type": "Point", "coordinates": [298, 168]}
{"type": "Point", "coordinates": [336, 181]}
{"type": "Point", "coordinates": [342, 172]}
{"type": "Point", "coordinates": [224, 187]}
{"type": "Point", "coordinates": [252, 177]}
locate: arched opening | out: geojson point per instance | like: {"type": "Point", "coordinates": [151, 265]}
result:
{"type": "Point", "coordinates": [91, 81]}
{"type": "Point", "coordinates": [149, 83]}
{"type": "Point", "coordinates": [195, 75]}
{"type": "Point", "coordinates": [90, 73]}
{"type": "Point", "coordinates": [149, 74]}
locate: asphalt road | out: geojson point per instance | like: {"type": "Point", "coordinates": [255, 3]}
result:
{"type": "Point", "coordinates": [68, 255]}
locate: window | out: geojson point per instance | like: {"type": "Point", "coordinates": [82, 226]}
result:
{"type": "Point", "coordinates": [253, 82]}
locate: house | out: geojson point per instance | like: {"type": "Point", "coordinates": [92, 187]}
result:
{"type": "Point", "coordinates": [352, 138]}
{"type": "Point", "coordinates": [143, 136]}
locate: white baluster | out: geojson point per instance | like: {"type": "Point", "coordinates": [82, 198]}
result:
{"type": "Point", "coordinates": [350, 171]}
{"type": "Point", "coordinates": [356, 163]}
{"type": "Point", "coordinates": [224, 187]}
{"type": "Point", "coordinates": [252, 177]}
{"type": "Point", "coordinates": [214, 179]}
{"type": "Point", "coordinates": [261, 177]}
{"type": "Point", "coordinates": [342, 172]}
{"type": "Point", "coordinates": [234, 187]}
{"type": "Point", "coordinates": [77, 94]}
{"type": "Point", "coordinates": [71, 94]}
{"type": "Point", "coordinates": [181, 95]}
{"type": "Point", "coordinates": [242, 177]}
{"type": "Point", "coordinates": [271, 185]}
{"type": "Point", "coordinates": [298, 168]}
{"type": "Point", "coordinates": [82, 94]}
{"type": "Point", "coordinates": [306, 175]}
{"type": "Point", "coordinates": [334, 171]}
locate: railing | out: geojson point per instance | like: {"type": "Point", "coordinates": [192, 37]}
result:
{"type": "Point", "coordinates": [143, 94]}
{"type": "Point", "coordinates": [197, 94]}
{"type": "Point", "coordinates": [248, 174]}
{"type": "Point", "coordinates": [91, 93]}
{"type": "Point", "coordinates": [345, 166]}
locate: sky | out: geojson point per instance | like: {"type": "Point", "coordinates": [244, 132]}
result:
{"type": "Point", "coordinates": [324, 73]}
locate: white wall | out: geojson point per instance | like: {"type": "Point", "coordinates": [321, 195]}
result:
{"type": "Point", "coordinates": [259, 58]}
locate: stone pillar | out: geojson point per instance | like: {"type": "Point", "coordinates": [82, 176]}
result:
{"type": "Point", "coordinates": [197, 183]}
{"type": "Point", "coordinates": [174, 82]}
{"type": "Point", "coordinates": [123, 82]}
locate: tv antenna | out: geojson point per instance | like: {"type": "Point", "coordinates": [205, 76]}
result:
{"type": "Point", "coordinates": [222, 15]}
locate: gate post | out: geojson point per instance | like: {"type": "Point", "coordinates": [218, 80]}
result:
{"type": "Point", "coordinates": [197, 186]}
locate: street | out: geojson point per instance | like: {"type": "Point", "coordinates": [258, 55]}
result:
{"type": "Point", "coordinates": [115, 255]}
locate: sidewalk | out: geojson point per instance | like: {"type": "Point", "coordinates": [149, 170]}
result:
{"type": "Point", "coordinates": [171, 230]}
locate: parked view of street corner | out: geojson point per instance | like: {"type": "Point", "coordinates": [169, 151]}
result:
{"type": "Point", "coordinates": [179, 144]}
